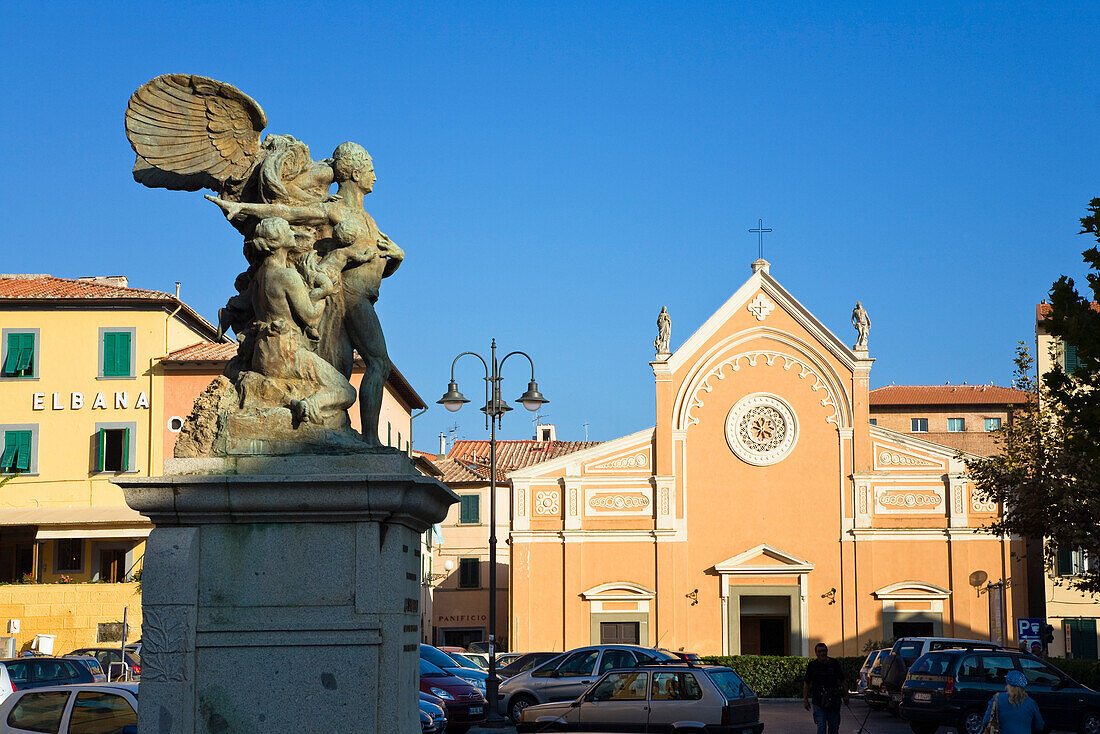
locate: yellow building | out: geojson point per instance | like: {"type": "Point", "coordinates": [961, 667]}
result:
{"type": "Point", "coordinates": [80, 403]}
{"type": "Point", "coordinates": [761, 514]}
{"type": "Point", "coordinates": [1073, 614]}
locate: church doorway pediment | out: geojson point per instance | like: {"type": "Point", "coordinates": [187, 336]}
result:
{"type": "Point", "coordinates": [618, 591]}
{"type": "Point", "coordinates": [763, 560]}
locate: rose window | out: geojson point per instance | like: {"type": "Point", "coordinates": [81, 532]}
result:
{"type": "Point", "coordinates": [761, 429]}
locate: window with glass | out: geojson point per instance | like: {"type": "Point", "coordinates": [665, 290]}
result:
{"type": "Point", "coordinates": [996, 667]}
{"type": "Point", "coordinates": [918, 425]}
{"type": "Point", "coordinates": [621, 687]}
{"type": "Point", "coordinates": [874, 421]}
{"type": "Point", "coordinates": [20, 358]}
{"type": "Point", "coordinates": [970, 668]}
{"type": "Point", "coordinates": [579, 664]}
{"type": "Point", "coordinates": [730, 684]}
{"type": "Point", "coordinates": [677, 686]}
{"type": "Point", "coordinates": [1071, 562]}
{"type": "Point", "coordinates": [992, 424]}
{"type": "Point", "coordinates": [18, 445]}
{"type": "Point", "coordinates": [116, 353]}
{"type": "Point", "coordinates": [1038, 673]}
{"type": "Point", "coordinates": [97, 712]}
{"type": "Point", "coordinates": [616, 659]}
{"type": "Point", "coordinates": [38, 711]}
{"type": "Point", "coordinates": [469, 511]}
{"type": "Point", "coordinates": [69, 555]}
{"type": "Point", "coordinates": [469, 573]}
{"type": "Point", "coordinates": [956, 425]}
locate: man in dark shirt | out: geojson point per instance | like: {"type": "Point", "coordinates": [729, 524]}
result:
{"type": "Point", "coordinates": [825, 688]}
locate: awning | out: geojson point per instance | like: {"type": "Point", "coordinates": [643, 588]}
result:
{"type": "Point", "coordinates": [55, 523]}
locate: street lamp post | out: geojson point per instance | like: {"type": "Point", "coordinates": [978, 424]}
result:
{"type": "Point", "coordinates": [494, 410]}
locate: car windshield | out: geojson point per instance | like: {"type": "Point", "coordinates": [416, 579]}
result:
{"type": "Point", "coordinates": [464, 661]}
{"type": "Point", "coordinates": [437, 657]}
{"type": "Point", "coordinates": [729, 683]}
{"type": "Point", "coordinates": [932, 664]}
{"type": "Point", "coordinates": [909, 651]}
{"type": "Point", "coordinates": [431, 669]}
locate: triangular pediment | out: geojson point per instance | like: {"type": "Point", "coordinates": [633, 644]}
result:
{"type": "Point", "coordinates": [762, 559]}
{"type": "Point", "coordinates": [606, 453]}
{"type": "Point", "coordinates": [894, 451]}
{"type": "Point", "coordinates": [619, 591]}
{"type": "Point", "coordinates": [905, 590]}
{"type": "Point", "coordinates": [759, 297]}
{"type": "Point", "coordinates": [633, 460]}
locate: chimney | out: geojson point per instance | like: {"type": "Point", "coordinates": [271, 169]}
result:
{"type": "Point", "coordinates": [546, 432]}
{"type": "Point", "coordinates": [442, 444]}
{"type": "Point", "coordinates": [118, 281]}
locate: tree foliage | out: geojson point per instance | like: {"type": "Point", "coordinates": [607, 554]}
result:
{"type": "Point", "coordinates": [1047, 475]}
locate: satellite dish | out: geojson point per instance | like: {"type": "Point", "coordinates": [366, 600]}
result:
{"type": "Point", "coordinates": [978, 578]}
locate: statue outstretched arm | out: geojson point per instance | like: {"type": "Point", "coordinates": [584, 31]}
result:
{"type": "Point", "coordinates": [293, 214]}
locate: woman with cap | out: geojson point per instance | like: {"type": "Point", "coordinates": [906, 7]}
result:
{"type": "Point", "coordinates": [1014, 710]}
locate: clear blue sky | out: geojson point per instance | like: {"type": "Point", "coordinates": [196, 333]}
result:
{"type": "Point", "coordinates": [556, 172]}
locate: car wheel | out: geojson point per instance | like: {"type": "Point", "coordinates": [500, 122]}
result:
{"type": "Point", "coordinates": [1090, 723]}
{"type": "Point", "coordinates": [518, 703]}
{"type": "Point", "coordinates": [971, 722]}
{"type": "Point", "coordinates": [923, 727]}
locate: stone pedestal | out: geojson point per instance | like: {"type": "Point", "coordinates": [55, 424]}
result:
{"type": "Point", "coordinates": [281, 594]}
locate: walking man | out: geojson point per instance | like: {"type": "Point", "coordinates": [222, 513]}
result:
{"type": "Point", "coordinates": [825, 689]}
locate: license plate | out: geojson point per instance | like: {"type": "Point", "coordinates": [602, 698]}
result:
{"type": "Point", "coordinates": [922, 696]}
{"type": "Point", "coordinates": [476, 711]}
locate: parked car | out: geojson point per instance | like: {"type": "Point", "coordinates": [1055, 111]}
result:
{"type": "Point", "coordinates": [481, 660]}
{"type": "Point", "coordinates": [884, 688]}
{"type": "Point", "coordinates": [436, 708]}
{"type": "Point", "coordinates": [675, 696]}
{"type": "Point", "coordinates": [466, 669]}
{"type": "Point", "coordinates": [465, 705]}
{"type": "Point", "coordinates": [108, 655]}
{"type": "Point", "coordinates": [433, 714]}
{"type": "Point", "coordinates": [99, 707]}
{"type": "Point", "coordinates": [18, 674]}
{"type": "Point", "coordinates": [523, 662]}
{"type": "Point", "coordinates": [865, 671]}
{"type": "Point", "coordinates": [953, 688]}
{"type": "Point", "coordinates": [89, 662]}
{"type": "Point", "coordinates": [505, 658]}
{"type": "Point", "coordinates": [691, 657]}
{"type": "Point", "coordinates": [567, 676]}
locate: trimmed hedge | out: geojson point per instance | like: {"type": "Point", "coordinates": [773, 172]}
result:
{"type": "Point", "coordinates": [775, 676]}
{"type": "Point", "coordinates": [1082, 671]}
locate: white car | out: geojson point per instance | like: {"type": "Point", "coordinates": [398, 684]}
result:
{"type": "Point", "coordinates": [99, 707]}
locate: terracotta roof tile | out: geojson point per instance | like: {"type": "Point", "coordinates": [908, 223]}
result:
{"type": "Point", "coordinates": [947, 395]}
{"type": "Point", "coordinates": [204, 352]}
{"type": "Point", "coordinates": [47, 287]}
{"type": "Point", "coordinates": [468, 461]}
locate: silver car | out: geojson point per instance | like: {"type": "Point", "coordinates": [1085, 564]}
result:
{"type": "Point", "coordinates": [659, 698]}
{"type": "Point", "coordinates": [567, 676]}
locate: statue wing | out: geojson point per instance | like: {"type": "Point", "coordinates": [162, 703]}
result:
{"type": "Point", "coordinates": [192, 132]}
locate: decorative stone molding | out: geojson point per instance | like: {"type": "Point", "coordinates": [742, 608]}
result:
{"type": "Point", "coordinates": [599, 501]}
{"type": "Point", "coordinates": [752, 359]}
{"type": "Point", "coordinates": [547, 502]}
{"type": "Point", "coordinates": [978, 504]}
{"type": "Point", "coordinates": [761, 429]}
{"type": "Point", "coordinates": [760, 307]}
{"type": "Point", "coordinates": [633, 460]}
{"type": "Point", "coordinates": [891, 500]}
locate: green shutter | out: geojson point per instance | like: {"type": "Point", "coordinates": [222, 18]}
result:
{"type": "Point", "coordinates": [23, 457]}
{"type": "Point", "coordinates": [101, 448]}
{"type": "Point", "coordinates": [125, 449]}
{"type": "Point", "coordinates": [1064, 564]}
{"type": "Point", "coordinates": [11, 448]}
{"type": "Point", "coordinates": [1071, 362]}
{"type": "Point", "coordinates": [12, 357]}
{"type": "Point", "coordinates": [116, 354]}
{"type": "Point", "coordinates": [19, 361]}
{"type": "Point", "coordinates": [469, 509]}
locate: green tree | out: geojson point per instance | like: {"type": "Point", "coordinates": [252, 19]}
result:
{"type": "Point", "coordinates": [1047, 474]}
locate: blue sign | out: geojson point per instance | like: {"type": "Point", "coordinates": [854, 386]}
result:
{"type": "Point", "coordinates": [1029, 628]}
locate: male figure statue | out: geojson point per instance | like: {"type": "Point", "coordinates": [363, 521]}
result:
{"type": "Point", "coordinates": [862, 323]}
{"type": "Point", "coordinates": [360, 329]}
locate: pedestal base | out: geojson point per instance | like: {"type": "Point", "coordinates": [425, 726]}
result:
{"type": "Point", "coordinates": [284, 599]}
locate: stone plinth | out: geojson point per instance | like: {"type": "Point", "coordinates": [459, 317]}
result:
{"type": "Point", "coordinates": [282, 593]}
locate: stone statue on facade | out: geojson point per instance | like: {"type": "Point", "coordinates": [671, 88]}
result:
{"type": "Point", "coordinates": [862, 323]}
{"type": "Point", "coordinates": [315, 261]}
{"type": "Point", "coordinates": [664, 331]}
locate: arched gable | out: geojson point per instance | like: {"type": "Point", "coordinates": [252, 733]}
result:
{"type": "Point", "coordinates": [812, 366]}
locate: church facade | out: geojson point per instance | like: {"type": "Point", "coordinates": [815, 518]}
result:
{"type": "Point", "coordinates": [762, 513]}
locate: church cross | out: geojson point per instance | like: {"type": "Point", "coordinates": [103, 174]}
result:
{"type": "Point", "coordinates": [759, 231]}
